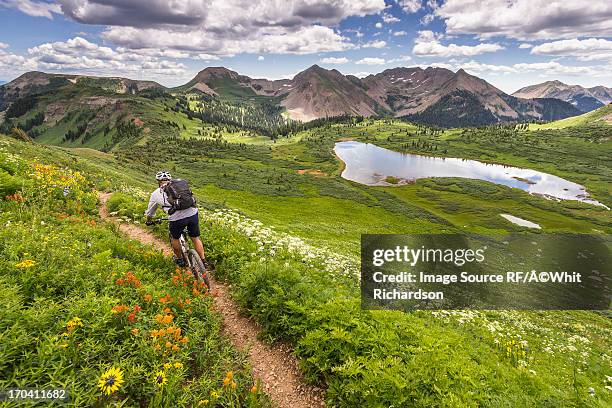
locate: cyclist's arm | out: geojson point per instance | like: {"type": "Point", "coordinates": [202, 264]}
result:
{"type": "Point", "coordinates": [151, 208]}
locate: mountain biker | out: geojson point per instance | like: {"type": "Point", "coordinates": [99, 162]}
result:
{"type": "Point", "coordinates": [178, 218]}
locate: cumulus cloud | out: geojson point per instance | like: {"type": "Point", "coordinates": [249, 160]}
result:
{"type": "Point", "coordinates": [389, 18]}
{"type": "Point", "coordinates": [401, 58]}
{"type": "Point", "coordinates": [223, 27]}
{"type": "Point", "coordinates": [334, 60]}
{"type": "Point", "coordinates": [306, 40]}
{"type": "Point", "coordinates": [375, 44]}
{"type": "Point", "coordinates": [371, 61]}
{"type": "Point", "coordinates": [378, 25]}
{"type": "Point", "coordinates": [550, 68]}
{"type": "Point", "coordinates": [217, 14]}
{"type": "Point", "coordinates": [585, 50]}
{"type": "Point", "coordinates": [525, 45]}
{"type": "Point", "coordinates": [33, 8]}
{"type": "Point", "coordinates": [400, 33]}
{"type": "Point", "coordinates": [3, 45]}
{"type": "Point", "coordinates": [427, 44]}
{"type": "Point", "coordinates": [260, 58]}
{"type": "Point", "coordinates": [527, 19]}
{"type": "Point", "coordinates": [79, 54]}
{"type": "Point", "coordinates": [410, 6]}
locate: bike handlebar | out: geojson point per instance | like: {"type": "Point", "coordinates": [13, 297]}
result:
{"type": "Point", "coordinates": [157, 221]}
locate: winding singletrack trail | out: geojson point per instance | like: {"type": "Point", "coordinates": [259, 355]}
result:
{"type": "Point", "coordinates": [275, 367]}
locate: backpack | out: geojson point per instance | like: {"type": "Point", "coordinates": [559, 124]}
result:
{"type": "Point", "coordinates": [180, 196]}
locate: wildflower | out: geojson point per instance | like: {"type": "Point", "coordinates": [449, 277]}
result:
{"type": "Point", "coordinates": [591, 391]}
{"type": "Point", "coordinates": [178, 365]}
{"type": "Point", "coordinates": [167, 310]}
{"type": "Point", "coordinates": [214, 394]}
{"type": "Point", "coordinates": [233, 385]}
{"type": "Point", "coordinates": [184, 339]}
{"type": "Point", "coordinates": [135, 331]}
{"type": "Point", "coordinates": [254, 389]}
{"type": "Point", "coordinates": [27, 263]}
{"type": "Point", "coordinates": [160, 379]}
{"type": "Point", "coordinates": [167, 366]}
{"type": "Point", "coordinates": [74, 323]}
{"type": "Point", "coordinates": [110, 381]}
{"type": "Point", "coordinates": [203, 402]}
{"type": "Point", "coordinates": [131, 317]}
{"type": "Point", "coordinates": [148, 297]}
{"type": "Point", "coordinates": [175, 347]}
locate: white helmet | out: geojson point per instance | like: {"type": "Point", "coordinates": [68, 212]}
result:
{"type": "Point", "coordinates": [163, 176]}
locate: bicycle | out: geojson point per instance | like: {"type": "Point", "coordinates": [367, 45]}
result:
{"type": "Point", "coordinates": [191, 257]}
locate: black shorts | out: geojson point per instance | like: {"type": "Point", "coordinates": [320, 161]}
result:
{"type": "Point", "coordinates": [192, 223]}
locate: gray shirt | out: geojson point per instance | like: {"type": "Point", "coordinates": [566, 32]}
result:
{"type": "Point", "coordinates": [160, 199]}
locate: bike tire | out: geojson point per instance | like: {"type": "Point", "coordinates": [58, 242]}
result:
{"type": "Point", "coordinates": [198, 269]}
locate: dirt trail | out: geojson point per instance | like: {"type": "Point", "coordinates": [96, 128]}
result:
{"type": "Point", "coordinates": [275, 367]}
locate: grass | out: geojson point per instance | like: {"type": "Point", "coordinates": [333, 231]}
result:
{"type": "Point", "coordinates": [463, 358]}
{"type": "Point", "coordinates": [586, 118]}
{"type": "Point", "coordinates": [80, 299]}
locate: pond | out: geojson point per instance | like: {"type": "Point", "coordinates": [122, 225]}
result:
{"type": "Point", "coordinates": [369, 164]}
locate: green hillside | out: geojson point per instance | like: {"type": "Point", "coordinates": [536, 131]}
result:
{"type": "Point", "coordinates": [307, 294]}
{"type": "Point", "coordinates": [283, 228]}
{"type": "Point", "coordinates": [601, 116]}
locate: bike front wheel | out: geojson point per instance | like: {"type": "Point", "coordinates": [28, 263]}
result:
{"type": "Point", "coordinates": [198, 269]}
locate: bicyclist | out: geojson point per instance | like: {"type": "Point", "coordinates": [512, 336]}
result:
{"type": "Point", "coordinates": [178, 218]}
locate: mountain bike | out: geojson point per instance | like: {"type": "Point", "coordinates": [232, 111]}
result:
{"type": "Point", "coordinates": [191, 257]}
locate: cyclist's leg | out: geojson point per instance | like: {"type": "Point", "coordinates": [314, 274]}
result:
{"type": "Point", "coordinates": [176, 228]}
{"type": "Point", "coordinates": [176, 247]}
{"type": "Point", "coordinates": [193, 227]}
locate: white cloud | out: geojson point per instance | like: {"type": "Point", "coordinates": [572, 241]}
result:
{"type": "Point", "coordinates": [226, 15]}
{"type": "Point", "coordinates": [223, 27]}
{"type": "Point", "coordinates": [427, 18]}
{"type": "Point", "coordinates": [527, 19]}
{"type": "Point", "coordinates": [375, 44]}
{"type": "Point", "coordinates": [550, 68]}
{"type": "Point", "coordinates": [410, 6]}
{"type": "Point", "coordinates": [525, 45]}
{"type": "Point", "coordinates": [260, 58]}
{"type": "Point", "coordinates": [378, 25]}
{"type": "Point", "coordinates": [585, 50]}
{"type": "Point", "coordinates": [389, 18]}
{"type": "Point", "coordinates": [33, 8]}
{"type": "Point", "coordinates": [306, 40]}
{"type": "Point", "coordinates": [78, 54]}
{"type": "Point", "coordinates": [371, 61]}
{"type": "Point", "coordinates": [427, 44]}
{"type": "Point", "coordinates": [400, 33]}
{"type": "Point", "coordinates": [334, 60]}
{"type": "Point", "coordinates": [401, 58]}
{"type": "Point", "coordinates": [3, 45]}
{"type": "Point", "coordinates": [205, 57]}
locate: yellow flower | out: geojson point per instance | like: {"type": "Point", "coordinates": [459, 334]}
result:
{"type": "Point", "coordinates": [110, 381]}
{"type": "Point", "coordinates": [167, 366]}
{"type": "Point", "coordinates": [160, 379]}
{"type": "Point", "coordinates": [178, 365]}
{"type": "Point", "coordinates": [74, 323]}
{"type": "Point", "coordinates": [203, 402]}
{"type": "Point", "coordinates": [214, 394]}
{"type": "Point", "coordinates": [27, 263]}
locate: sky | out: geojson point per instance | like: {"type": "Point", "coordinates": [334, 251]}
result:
{"type": "Point", "coordinates": [510, 43]}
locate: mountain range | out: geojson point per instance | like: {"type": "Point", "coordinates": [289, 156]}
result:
{"type": "Point", "coordinates": [585, 99]}
{"type": "Point", "coordinates": [432, 95]}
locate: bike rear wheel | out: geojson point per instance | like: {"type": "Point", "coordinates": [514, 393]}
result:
{"type": "Point", "coordinates": [198, 269]}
